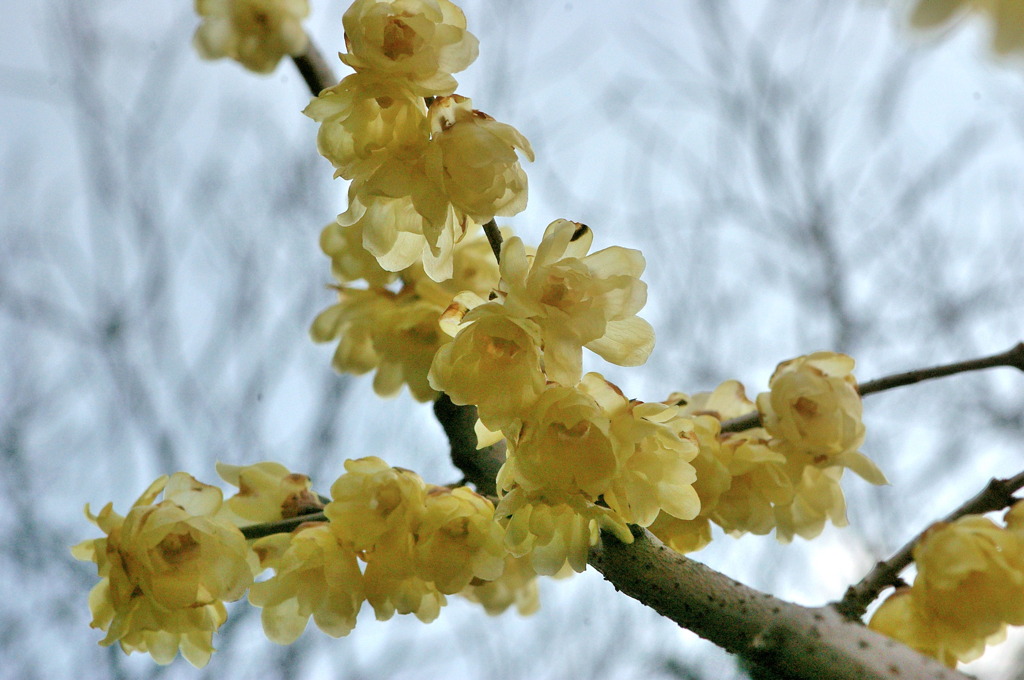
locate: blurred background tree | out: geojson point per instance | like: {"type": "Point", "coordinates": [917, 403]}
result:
{"type": "Point", "coordinates": [800, 175]}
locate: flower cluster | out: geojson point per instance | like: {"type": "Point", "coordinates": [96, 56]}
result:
{"type": "Point", "coordinates": [255, 33]}
{"type": "Point", "coordinates": [386, 538]}
{"type": "Point", "coordinates": [426, 167]}
{"type": "Point", "coordinates": [394, 333]}
{"type": "Point", "coordinates": [969, 587]}
{"type": "Point", "coordinates": [1006, 17]}
{"type": "Point", "coordinates": [785, 475]}
{"type": "Point", "coordinates": [581, 456]}
{"type": "Point", "coordinates": [166, 570]}
{"type": "Point", "coordinates": [426, 170]}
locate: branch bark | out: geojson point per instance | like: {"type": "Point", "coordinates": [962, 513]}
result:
{"type": "Point", "coordinates": [784, 639]}
{"type": "Point", "coordinates": [314, 69]}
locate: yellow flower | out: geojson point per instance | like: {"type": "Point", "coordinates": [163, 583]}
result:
{"type": "Point", "coordinates": [352, 322]}
{"type": "Point", "coordinates": [396, 334]}
{"type": "Point", "coordinates": [814, 411]}
{"type": "Point", "coordinates": [406, 339]}
{"type": "Point", "coordinates": [255, 33]}
{"type": "Point", "coordinates": [494, 362]}
{"type": "Point", "coordinates": [970, 581]}
{"type": "Point", "coordinates": [405, 217]}
{"type": "Point", "coordinates": [166, 570]}
{"type": "Point", "coordinates": [517, 586]}
{"type": "Point", "coordinates": [367, 118]}
{"type": "Point", "coordinates": [656, 474]}
{"type": "Point", "coordinates": [1006, 17]}
{"type": "Point", "coordinates": [458, 540]}
{"type": "Point", "coordinates": [760, 481]}
{"type": "Point", "coordinates": [350, 261]}
{"type": "Point", "coordinates": [578, 299]}
{"type": "Point", "coordinates": [422, 41]}
{"type": "Point", "coordinates": [555, 530]}
{"type": "Point", "coordinates": [900, 618]}
{"type": "Point", "coordinates": [267, 492]}
{"type": "Point", "coordinates": [373, 500]}
{"type": "Point", "coordinates": [817, 498]}
{"type": "Point", "coordinates": [563, 444]}
{"type": "Point", "coordinates": [377, 509]}
{"type": "Point", "coordinates": [480, 168]}
{"type": "Point", "coordinates": [314, 575]}
{"type": "Point", "coordinates": [392, 587]}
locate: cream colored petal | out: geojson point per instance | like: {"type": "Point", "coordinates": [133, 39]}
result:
{"type": "Point", "coordinates": [626, 342]}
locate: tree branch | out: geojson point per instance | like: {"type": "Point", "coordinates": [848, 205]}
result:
{"type": "Point", "coordinates": [785, 639]}
{"type": "Point", "coordinates": [480, 467]}
{"type": "Point", "coordinates": [997, 495]}
{"type": "Point", "coordinates": [314, 69]}
{"type": "Point", "coordinates": [494, 238]}
{"type": "Point", "coordinates": [283, 527]}
{"type": "Point", "coordinates": [1012, 358]}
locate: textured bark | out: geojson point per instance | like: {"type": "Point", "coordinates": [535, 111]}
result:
{"type": "Point", "coordinates": [783, 639]}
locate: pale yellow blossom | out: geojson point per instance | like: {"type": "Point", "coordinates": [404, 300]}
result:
{"type": "Point", "coordinates": [267, 492]}
{"type": "Point", "coordinates": [517, 586]}
{"type": "Point", "coordinates": [555, 530]}
{"type": "Point", "coordinates": [421, 41]}
{"type": "Point", "coordinates": [494, 362]}
{"type": "Point", "coordinates": [373, 500]}
{"type": "Point", "coordinates": [367, 118]}
{"type": "Point", "coordinates": [814, 411]}
{"type": "Point", "coordinates": [655, 474]}
{"type": "Point", "coordinates": [969, 587]}
{"type": "Point", "coordinates": [578, 299]}
{"type": "Point", "coordinates": [480, 168]}
{"type": "Point", "coordinates": [255, 33]}
{"type": "Point", "coordinates": [563, 443]}
{"type": "Point", "coordinates": [458, 540]}
{"type": "Point", "coordinates": [314, 575]}
{"type": "Point", "coordinates": [167, 568]}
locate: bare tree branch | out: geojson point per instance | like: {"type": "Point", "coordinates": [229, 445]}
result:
{"type": "Point", "coordinates": [997, 495]}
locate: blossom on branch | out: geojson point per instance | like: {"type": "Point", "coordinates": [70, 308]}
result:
{"type": "Point", "coordinates": [969, 587]}
{"type": "Point", "coordinates": [166, 570]}
{"type": "Point", "coordinates": [314, 575]}
{"type": "Point", "coordinates": [255, 33]}
{"type": "Point", "coordinates": [420, 41]}
{"type": "Point", "coordinates": [578, 299]}
{"type": "Point", "coordinates": [814, 412]}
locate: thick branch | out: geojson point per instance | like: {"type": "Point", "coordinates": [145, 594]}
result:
{"type": "Point", "coordinates": [1013, 358]}
{"type": "Point", "coordinates": [997, 495]}
{"type": "Point", "coordinates": [783, 638]}
{"type": "Point", "coordinates": [480, 467]}
{"type": "Point", "coordinates": [314, 69]}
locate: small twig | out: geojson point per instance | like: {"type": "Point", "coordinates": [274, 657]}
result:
{"type": "Point", "coordinates": [494, 238]}
{"type": "Point", "coordinates": [1013, 358]}
{"type": "Point", "coordinates": [283, 527]}
{"type": "Point", "coordinates": [996, 495]}
{"type": "Point", "coordinates": [314, 69]}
